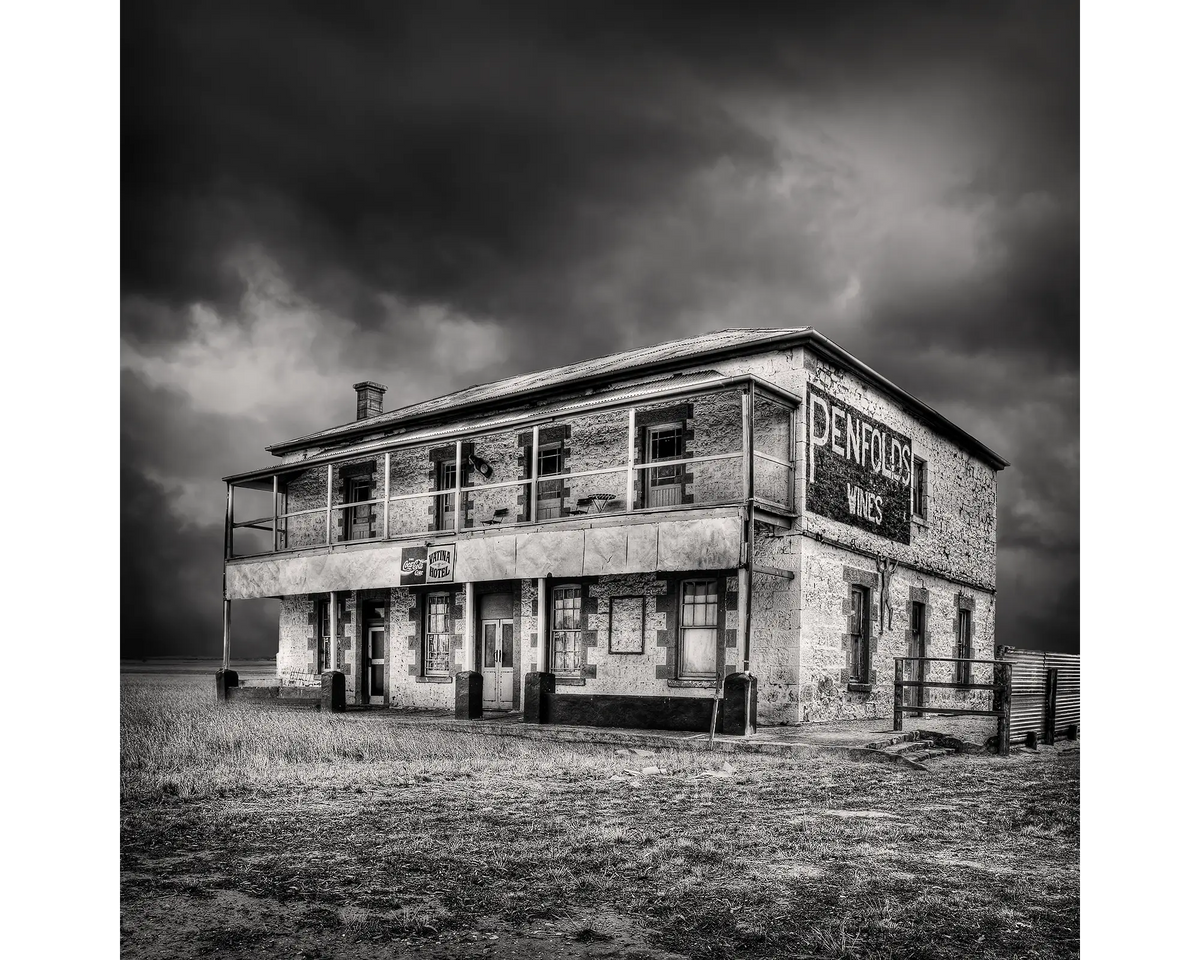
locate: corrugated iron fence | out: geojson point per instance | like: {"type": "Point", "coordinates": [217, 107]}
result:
{"type": "Point", "coordinates": [1045, 694]}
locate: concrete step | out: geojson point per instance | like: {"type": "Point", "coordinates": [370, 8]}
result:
{"type": "Point", "coordinates": [912, 746]}
{"type": "Point", "coordinates": [893, 740]}
{"type": "Point", "coordinates": [933, 753]}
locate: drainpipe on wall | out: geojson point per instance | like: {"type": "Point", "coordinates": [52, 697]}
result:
{"type": "Point", "coordinates": [746, 558]}
{"type": "Point", "coordinates": [748, 528]}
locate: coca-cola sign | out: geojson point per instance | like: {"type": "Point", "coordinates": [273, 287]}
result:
{"type": "Point", "coordinates": [426, 565]}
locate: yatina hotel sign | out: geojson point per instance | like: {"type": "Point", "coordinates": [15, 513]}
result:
{"type": "Point", "coordinates": [421, 565]}
{"type": "Point", "coordinates": [859, 471]}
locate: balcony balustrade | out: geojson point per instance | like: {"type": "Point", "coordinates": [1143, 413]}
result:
{"type": "Point", "coordinates": [681, 450]}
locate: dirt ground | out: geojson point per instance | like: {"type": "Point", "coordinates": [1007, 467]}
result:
{"type": "Point", "coordinates": [236, 925]}
{"type": "Point", "coordinates": [246, 834]}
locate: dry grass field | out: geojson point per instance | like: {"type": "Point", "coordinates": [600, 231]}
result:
{"type": "Point", "coordinates": [284, 834]}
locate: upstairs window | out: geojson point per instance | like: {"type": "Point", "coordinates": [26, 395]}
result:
{"type": "Point", "coordinates": [358, 519]}
{"type": "Point", "coordinates": [550, 492]}
{"type": "Point", "coordinates": [920, 480]}
{"type": "Point", "coordinates": [447, 478]}
{"type": "Point", "coordinates": [664, 443]}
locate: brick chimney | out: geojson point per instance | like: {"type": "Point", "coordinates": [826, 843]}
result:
{"type": "Point", "coordinates": [370, 398]}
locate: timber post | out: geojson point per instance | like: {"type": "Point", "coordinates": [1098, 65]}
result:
{"type": "Point", "coordinates": [898, 697]}
{"type": "Point", "coordinates": [1003, 709]}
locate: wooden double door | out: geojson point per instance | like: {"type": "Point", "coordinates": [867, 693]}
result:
{"type": "Point", "coordinates": [495, 653]}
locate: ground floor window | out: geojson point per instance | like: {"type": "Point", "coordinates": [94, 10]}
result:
{"type": "Point", "coordinates": [916, 648]}
{"type": "Point", "coordinates": [962, 671]}
{"type": "Point", "coordinates": [324, 635]}
{"type": "Point", "coordinates": [698, 629]}
{"type": "Point", "coordinates": [860, 634]}
{"type": "Point", "coordinates": [437, 635]}
{"type": "Point", "coordinates": [565, 630]}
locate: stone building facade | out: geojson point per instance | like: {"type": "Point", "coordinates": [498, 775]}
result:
{"type": "Point", "coordinates": [639, 528]}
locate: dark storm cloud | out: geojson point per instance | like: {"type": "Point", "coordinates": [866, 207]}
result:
{"type": "Point", "coordinates": [172, 534]}
{"type": "Point", "coordinates": [478, 154]}
{"type": "Point", "coordinates": [421, 193]}
{"type": "Point", "coordinates": [436, 156]}
{"type": "Point", "coordinates": [171, 581]}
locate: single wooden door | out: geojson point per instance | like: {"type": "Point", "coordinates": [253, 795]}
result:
{"type": "Point", "coordinates": [376, 662]}
{"type": "Point", "coordinates": [359, 517]}
{"type": "Point", "coordinates": [915, 669]}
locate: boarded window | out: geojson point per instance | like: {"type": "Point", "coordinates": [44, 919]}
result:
{"type": "Point", "coordinates": [626, 625]}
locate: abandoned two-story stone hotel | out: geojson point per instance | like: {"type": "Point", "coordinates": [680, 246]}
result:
{"type": "Point", "coordinates": [751, 518]}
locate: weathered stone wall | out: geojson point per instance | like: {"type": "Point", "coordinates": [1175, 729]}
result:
{"type": "Point", "coordinates": [409, 474]}
{"type": "Point", "coordinates": [309, 490]}
{"type": "Point", "coordinates": [528, 633]}
{"type": "Point", "coordinates": [775, 628]}
{"type": "Point", "coordinates": [622, 673]}
{"type": "Point", "coordinates": [407, 688]}
{"type": "Point", "coordinates": [348, 656]}
{"type": "Point", "coordinates": [959, 538]}
{"type": "Point", "coordinates": [653, 671]}
{"type": "Point", "coordinates": [297, 643]}
{"type": "Point", "coordinates": [599, 441]}
{"type": "Point", "coordinates": [507, 459]}
{"type": "Point", "coordinates": [296, 660]}
{"type": "Point", "coordinates": [827, 573]}
{"type": "Point", "coordinates": [717, 429]}
{"type": "Point", "coordinates": [305, 492]}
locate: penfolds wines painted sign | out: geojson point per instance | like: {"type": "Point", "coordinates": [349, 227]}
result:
{"type": "Point", "coordinates": [426, 565]}
{"type": "Point", "coordinates": [859, 470]}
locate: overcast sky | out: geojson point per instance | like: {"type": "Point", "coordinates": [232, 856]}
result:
{"type": "Point", "coordinates": [452, 193]}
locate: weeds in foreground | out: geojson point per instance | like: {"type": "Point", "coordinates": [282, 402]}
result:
{"type": "Point", "coordinates": [353, 829]}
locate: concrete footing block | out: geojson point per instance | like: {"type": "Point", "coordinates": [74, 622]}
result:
{"type": "Point", "coordinates": [226, 679]}
{"type": "Point", "coordinates": [538, 689]}
{"type": "Point", "coordinates": [740, 714]}
{"type": "Point", "coordinates": [333, 691]}
{"type": "Point", "coordinates": [468, 695]}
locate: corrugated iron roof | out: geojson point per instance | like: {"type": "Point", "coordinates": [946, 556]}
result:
{"type": "Point", "coordinates": [629, 364]}
{"type": "Point", "coordinates": [541, 380]}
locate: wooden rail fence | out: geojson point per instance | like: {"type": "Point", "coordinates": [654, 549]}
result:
{"type": "Point", "coordinates": [1001, 687]}
{"type": "Point", "coordinates": [1035, 694]}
